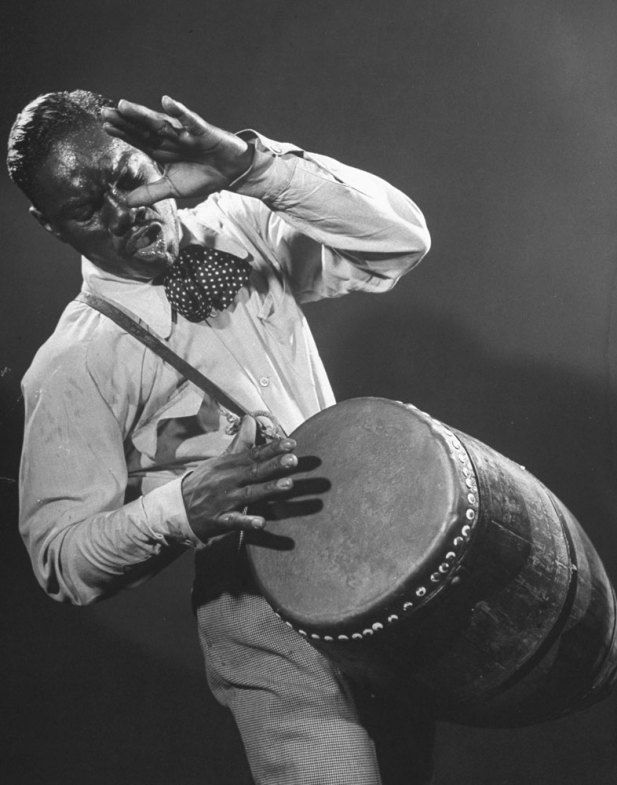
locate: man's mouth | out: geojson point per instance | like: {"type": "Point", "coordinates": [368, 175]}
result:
{"type": "Point", "coordinates": [146, 242]}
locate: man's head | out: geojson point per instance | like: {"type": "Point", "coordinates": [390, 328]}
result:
{"type": "Point", "coordinates": [77, 177]}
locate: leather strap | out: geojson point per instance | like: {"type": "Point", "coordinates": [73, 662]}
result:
{"type": "Point", "coordinates": [139, 331]}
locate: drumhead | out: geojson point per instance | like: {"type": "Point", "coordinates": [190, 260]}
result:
{"type": "Point", "coordinates": [331, 558]}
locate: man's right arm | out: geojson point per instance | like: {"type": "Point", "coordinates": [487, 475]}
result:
{"type": "Point", "coordinates": [85, 543]}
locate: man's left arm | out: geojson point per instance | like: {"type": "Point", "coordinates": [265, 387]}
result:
{"type": "Point", "coordinates": [372, 226]}
{"type": "Point", "coordinates": [365, 232]}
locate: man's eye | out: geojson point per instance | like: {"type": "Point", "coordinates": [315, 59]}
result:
{"type": "Point", "coordinates": [83, 213]}
{"type": "Point", "coordinates": [129, 181]}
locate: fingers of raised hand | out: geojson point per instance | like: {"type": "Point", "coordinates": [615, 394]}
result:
{"type": "Point", "coordinates": [142, 127]}
{"type": "Point", "coordinates": [188, 119]}
{"type": "Point", "coordinates": [175, 119]}
{"type": "Point", "coordinates": [147, 119]}
{"type": "Point", "coordinates": [151, 193]}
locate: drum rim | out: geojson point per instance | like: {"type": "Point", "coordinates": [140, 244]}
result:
{"type": "Point", "coordinates": [409, 597]}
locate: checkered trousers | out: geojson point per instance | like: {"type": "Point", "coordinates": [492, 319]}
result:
{"type": "Point", "coordinates": [300, 720]}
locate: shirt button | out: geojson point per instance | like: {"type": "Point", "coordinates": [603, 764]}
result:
{"type": "Point", "coordinates": [264, 381]}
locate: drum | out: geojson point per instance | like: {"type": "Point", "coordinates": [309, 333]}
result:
{"type": "Point", "coordinates": [431, 568]}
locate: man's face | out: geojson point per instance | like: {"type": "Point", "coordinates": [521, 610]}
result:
{"type": "Point", "coordinates": [81, 190]}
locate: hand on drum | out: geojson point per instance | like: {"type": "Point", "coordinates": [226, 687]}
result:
{"type": "Point", "coordinates": [217, 492]}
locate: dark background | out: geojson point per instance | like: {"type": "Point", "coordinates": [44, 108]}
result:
{"type": "Point", "coordinates": [500, 119]}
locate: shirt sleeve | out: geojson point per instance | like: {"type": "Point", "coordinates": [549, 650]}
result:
{"type": "Point", "coordinates": [334, 228]}
{"type": "Point", "coordinates": [84, 541]}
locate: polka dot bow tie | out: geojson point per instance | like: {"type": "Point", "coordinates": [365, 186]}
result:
{"type": "Point", "coordinates": [204, 280]}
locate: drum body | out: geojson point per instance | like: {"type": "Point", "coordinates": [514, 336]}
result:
{"type": "Point", "coordinates": [434, 569]}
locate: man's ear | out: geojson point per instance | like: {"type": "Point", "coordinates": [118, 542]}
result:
{"type": "Point", "coordinates": [36, 213]}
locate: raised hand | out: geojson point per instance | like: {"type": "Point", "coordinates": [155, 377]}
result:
{"type": "Point", "coordinates": [217, 491]}
{"type": "Point", "coordinates": [197, 157]}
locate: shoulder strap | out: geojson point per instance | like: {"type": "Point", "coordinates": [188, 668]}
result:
{"type": "Point", "coordinates": [142, 333]}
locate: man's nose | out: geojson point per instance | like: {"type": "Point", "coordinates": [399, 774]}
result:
{"type": "Point", "coordinates": [120, 217]}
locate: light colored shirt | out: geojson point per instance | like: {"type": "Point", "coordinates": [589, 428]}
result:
{"type": "Point", "coordinates": [111, 429]}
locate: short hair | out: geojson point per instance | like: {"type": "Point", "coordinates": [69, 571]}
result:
{"type": "Point", "coordinates": [42, 123]}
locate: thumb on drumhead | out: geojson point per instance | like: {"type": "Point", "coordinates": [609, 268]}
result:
{"type": "Point", "coordinates": [246, 436]}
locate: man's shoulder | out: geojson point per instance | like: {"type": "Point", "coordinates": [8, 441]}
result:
{"type": "Point", "coordinates": [84, 343]}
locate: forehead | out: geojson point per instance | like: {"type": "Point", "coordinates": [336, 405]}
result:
{"type": "Point", "coordinates": [80, 148]}
{"type": "Point", "coordinates": [84, 158]}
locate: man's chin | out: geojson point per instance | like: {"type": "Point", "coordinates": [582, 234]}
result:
{"type": "Point", "coordinates": [149, 270]}
{"type": "Point", "coordinates": [149, 263]}
{"type": "Point", "coordinates": [138, 269]}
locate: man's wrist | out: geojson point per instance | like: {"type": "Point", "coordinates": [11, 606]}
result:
{"type": "Point", "coordinates": [241, 164]}
{"type": "Point", "coordinates": [166, 513]}
{"type": "Point", "coordinates": [186, 501]}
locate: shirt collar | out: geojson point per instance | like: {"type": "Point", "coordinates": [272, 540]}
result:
{"type": "Point", "coordinates": [142, 299]}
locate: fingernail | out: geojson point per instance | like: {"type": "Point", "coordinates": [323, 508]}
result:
{"type": "Point", "coordinates": [289, 460]}
{"type": "Point", "coordinates": [284, 483]}
{"type": "Point", "coordinates": [288, 444]}
{"type": "Point", "coordinates": [258, 523]}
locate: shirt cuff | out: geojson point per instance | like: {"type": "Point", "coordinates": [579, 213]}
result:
{"type": "Point", "coordinates": [271, 171]}
{"type": "Point", "coordinates": [166, 514]}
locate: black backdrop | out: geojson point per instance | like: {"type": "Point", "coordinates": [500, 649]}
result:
{"type": "Point", "coordinates": [500, 119]}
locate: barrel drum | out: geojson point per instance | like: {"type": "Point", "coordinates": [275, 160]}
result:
{"type": "Point", "coordinates": [435, 569]}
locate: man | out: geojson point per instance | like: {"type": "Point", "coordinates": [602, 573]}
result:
{"type": "Point", "coordinates": [126, 463]}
